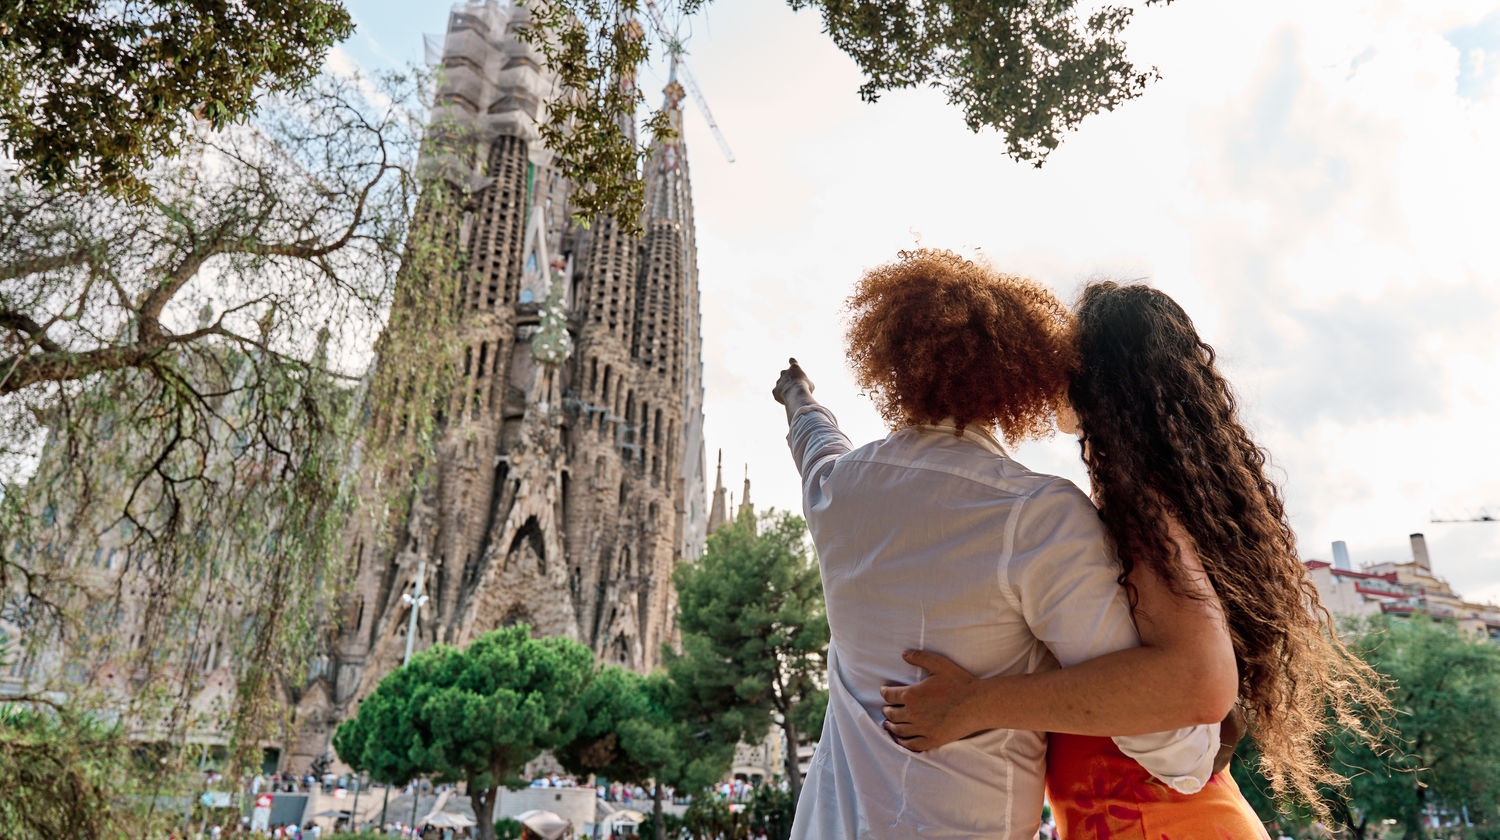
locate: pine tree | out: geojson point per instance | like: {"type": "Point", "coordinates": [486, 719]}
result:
{"type": "Point", "coordinates": [754, 635]}
{"type": "Point", "coordinates": [627, 732]}
{"type": "Point", "coordinates": [476, 714]}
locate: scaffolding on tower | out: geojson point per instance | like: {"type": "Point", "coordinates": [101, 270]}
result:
{"type": "Point", "coordinates": [684, 77]}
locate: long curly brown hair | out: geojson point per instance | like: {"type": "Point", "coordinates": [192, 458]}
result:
{"type": "Point", "coordinates": [933, 336]}
{"type": "Point", "coordinates": [1162, 439]}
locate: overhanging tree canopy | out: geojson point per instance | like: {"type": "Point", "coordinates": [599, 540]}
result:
{"type": "Point", "coordinates": [93, 93]}
{"type": "Point", "coordinates": [194, 364]}
{"type": "Point", "coordinates": [1031, 71]}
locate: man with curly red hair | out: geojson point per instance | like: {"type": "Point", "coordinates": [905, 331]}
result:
{"type": "Point", "coordinates": [936, 539]}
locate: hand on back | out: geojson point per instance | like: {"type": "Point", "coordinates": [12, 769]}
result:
{"type": "Point", "coordinates": [933, 712]}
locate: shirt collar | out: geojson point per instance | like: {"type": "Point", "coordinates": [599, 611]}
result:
{"type": "Point", "coordinates": [974, 432]}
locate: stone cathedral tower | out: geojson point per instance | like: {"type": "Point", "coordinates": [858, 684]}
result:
{"type": "Point", "coordinates": [569, 477]}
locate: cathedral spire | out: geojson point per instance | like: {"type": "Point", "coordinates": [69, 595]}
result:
{"type": "Point", "coordinates": [666, 286]}
{"type": "Point", "coordinates": [667, 186]}
{"type": "Point", "coordinates": [717, 515]}
{"type": "Point", "coordinates": [745, 497]}
{"type": "Point", "coordinates": [746, 509]}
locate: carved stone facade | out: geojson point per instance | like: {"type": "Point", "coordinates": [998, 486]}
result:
{"type": "Point", "coordinates": [569, 478]}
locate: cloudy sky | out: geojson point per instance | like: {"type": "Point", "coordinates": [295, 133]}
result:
{"type": "Point", "coordinates": [1316, 183]}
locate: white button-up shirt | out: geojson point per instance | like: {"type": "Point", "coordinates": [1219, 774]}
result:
{"type": "Point", "coordinates": [941, 542]}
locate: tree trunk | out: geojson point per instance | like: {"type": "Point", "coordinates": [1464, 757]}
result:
{"type": "Point", "coordinates": [661, 826]}
{"type": "Point", "coordinates": [793, 775]}
{"type": "Point", "coordinates": [1414, 828]}
{"type": "Point", "coordinates": [1345, 815]}
{"type": "Point", "coordinates": [483, 802]}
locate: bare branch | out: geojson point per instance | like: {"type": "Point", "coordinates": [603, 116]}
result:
{"type": "Point", "coordinates": [51, 262]}
{"type": "Point", "coordinates": [35, 333]}
{"type": "Point", "coordinates": [62, 366]}
{"type": "Point", "coordinates": [311, 250]}
{"type": "Point", "coordinates": [149, 313]}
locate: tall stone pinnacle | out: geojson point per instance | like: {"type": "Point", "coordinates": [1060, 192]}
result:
{"type": "Point", "coordinates": [718, 514]}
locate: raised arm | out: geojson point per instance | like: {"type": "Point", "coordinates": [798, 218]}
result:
{"type": "Point", "coordinates": [813, 432]}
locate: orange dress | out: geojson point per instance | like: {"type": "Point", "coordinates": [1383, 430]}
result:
{"type": "Point", "coordinates": [1099, 793]}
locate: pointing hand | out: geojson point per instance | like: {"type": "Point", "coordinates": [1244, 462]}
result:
{"type": "Point", "coordinates": [791, 379]}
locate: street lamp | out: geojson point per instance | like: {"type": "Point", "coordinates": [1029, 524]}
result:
{"type": "Point", "coordinates": [415, 599]}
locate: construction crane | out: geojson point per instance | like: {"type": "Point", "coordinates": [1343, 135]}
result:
{"type": "Point", "coordinates": [1483, 515]}
{"type": "Point", "coordinates": [685, 77]}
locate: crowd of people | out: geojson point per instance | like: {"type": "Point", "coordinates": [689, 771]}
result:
{"type": "Point", "coordinates": [630, 796]}
{"type": "Point", "coordinates": [306, 783]}
{"type": "Point", "coordinates": [241, 828]}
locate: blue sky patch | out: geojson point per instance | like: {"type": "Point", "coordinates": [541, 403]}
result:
{"type": "Point", "coordinates": [1479, 54]}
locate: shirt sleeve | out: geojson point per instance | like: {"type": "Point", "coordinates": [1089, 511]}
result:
{"type": "Point", "coordinates": [816, 444]}
{"type": "Point", "coordinates": [816, 441]}
{"type": "Point", "coordinates": [1067, 584]}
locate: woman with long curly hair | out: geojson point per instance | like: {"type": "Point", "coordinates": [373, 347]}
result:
{"type": "Point", "coordinates": [1199, 529]}
{"type": "Point", "coordinates": [935, 537]}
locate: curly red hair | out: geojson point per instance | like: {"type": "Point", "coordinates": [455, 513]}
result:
{"type": "Point", "coordinates": [935, 336]}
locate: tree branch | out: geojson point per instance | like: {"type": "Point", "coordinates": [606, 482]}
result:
{"type": "Point", "coordinates": [23, 323]}
{"type": "Point", "coordinates": [33, 265]}
{"type": "Point", "coordinates": [149, 313]}
{"type": "Point", "coordinates": [62, 366]}
{"type": "Point", "coordinates": [311, 250]}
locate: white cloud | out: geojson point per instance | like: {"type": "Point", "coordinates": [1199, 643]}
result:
{"type": "Point", "coordinates": [340, 63]}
